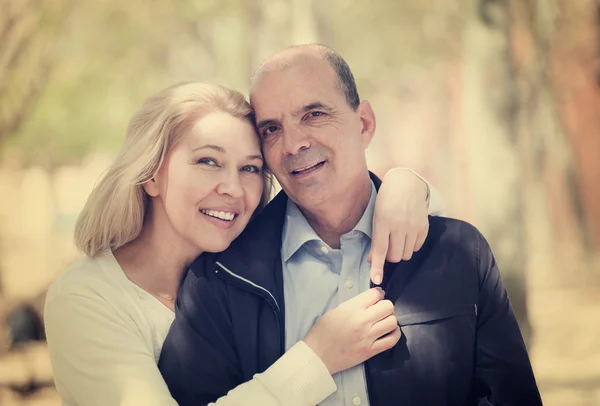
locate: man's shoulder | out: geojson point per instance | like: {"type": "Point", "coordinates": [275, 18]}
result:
{"type": "Point", "coordinates": [448, 230]}
{"type": "Point", "coordinates": [453, 240]}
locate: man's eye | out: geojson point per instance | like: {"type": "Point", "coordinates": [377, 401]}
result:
{"type": "Point", "coordinates": [207, 161]}
{"type": "Point", "coordinates": [316, 113]}
{"type": "Point", "coordinates": [270, 130]}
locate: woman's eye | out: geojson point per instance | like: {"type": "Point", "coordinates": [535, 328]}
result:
{"type": "Point", "coordinates": [251, 169]}
{"type": "Point", "coordinates": [207, 161]}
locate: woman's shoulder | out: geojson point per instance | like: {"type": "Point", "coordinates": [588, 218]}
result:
{"type": "Point", "coordinates": [91, 277]}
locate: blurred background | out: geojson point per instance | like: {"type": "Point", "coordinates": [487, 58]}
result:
{"type": "Point", "coordinates": [496, 102]}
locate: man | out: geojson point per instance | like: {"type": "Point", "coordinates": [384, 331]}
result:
{"type": "Point", "coordinates": [308, 252]}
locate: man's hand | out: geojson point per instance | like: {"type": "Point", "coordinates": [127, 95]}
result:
{"type": "Point", "coordinates": [400, 222]}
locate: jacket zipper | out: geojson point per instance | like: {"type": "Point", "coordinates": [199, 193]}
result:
{"type": "Point", "coordinates": [252, 287]}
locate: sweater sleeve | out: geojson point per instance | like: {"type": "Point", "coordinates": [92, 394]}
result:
{"type": "Point", "coordinates": [435, 200]}
{"type": "Point", "coordinates": [298, 378]}
{"type": "Point", "coordinates": [98, 358]}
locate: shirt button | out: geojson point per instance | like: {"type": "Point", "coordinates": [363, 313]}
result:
{"type": "Point", "coordinates": [324, 249]}
{"type": "Point", "coordinates": [350, 285]}
{"type": "Point", "coordinates": [356, 401]}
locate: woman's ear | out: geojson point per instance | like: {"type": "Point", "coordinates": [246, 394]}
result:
{"type": "Point", "coordinates": [151, 187]}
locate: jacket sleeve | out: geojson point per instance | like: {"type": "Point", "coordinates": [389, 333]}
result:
{"type": "Point", "coordinates": [503, 373]}
{"type": "Point", "coordinates": [199, 361]}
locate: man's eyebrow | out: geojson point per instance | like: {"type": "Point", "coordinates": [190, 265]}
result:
{"type": "Point", "coordinates": [301, 110]}
{"type": "Point", "coordinates": [311, 106]}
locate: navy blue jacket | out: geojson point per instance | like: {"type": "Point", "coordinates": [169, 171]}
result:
{"type": "Point", "coordinates": [460, 344]}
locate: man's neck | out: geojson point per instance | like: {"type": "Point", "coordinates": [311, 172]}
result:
{"type": "Point", "coordinates": [333, 219]}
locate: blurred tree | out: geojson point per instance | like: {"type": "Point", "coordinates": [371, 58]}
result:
{"type": "Point", "coordinates": [492, 124]}
{"type": "Point", "coordinates": [572, 44]}
{"type": "Point", "coordinates": [553, 55]}
{"type": "Point", "coordinates": [28, 32]}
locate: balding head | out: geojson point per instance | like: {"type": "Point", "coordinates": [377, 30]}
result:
{"type": "Point", "coordinates": [297, 54]}
{"type": "Point", "coordinates": [314, 130]}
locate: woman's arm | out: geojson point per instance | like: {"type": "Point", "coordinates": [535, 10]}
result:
{"type": "Point", "coordinates": [400, 222]}
{"type": "Point", "coordinates": [298, 378]}
{"type": "Point", "coordinates": [100, 359]}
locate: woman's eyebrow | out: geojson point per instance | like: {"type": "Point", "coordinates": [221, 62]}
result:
{"type": "Point", "coordinates": [210, 146]}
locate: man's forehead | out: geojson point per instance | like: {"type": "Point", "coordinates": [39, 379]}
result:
{"type": "Point", "coordinates": [291, 57]}
{"type": "Point", "coordinates": [294, 87]}
{"type": "Point", "coordinates": [299, 66]}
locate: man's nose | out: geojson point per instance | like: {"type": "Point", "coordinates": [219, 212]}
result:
{"type": "Point", "coordinates": [295, 140]}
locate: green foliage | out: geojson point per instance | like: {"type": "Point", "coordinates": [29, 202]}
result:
{"type": "Point", "coordinates": [112, 54]}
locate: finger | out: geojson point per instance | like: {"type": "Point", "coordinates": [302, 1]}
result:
{"type": "Point", "coordinates": [409, 246]}
{"type": "Point", "coordinates": [421, 238]}
{"type": "Point", "coordinates": [383, 327]}
{"type": "Point", "coordinates": [380, 311]}
{"type": "Point", "coordinates": [396, 249]}
{"type": "Point", "coordinates": [379, 248]}
{"type": "Point", "coordinates": [386, 342]}
{"type": "Point", "coordinates": [366, 299]}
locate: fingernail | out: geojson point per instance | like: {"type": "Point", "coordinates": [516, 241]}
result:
{"type": "Point", "coordinates": [377, 280]}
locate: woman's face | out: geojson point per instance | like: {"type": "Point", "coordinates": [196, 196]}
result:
{"type": "Point", "coordinates": [209, 184]}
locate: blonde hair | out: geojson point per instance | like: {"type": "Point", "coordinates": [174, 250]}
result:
{"type": "Point", "coordinates": [114, 212]}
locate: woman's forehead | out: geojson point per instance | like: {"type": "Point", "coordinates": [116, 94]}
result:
{"type": "Point", "coordinates": [223, 130]}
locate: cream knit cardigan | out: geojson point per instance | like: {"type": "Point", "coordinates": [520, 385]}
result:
{"type": "Point", "coordinates": [104, 348]}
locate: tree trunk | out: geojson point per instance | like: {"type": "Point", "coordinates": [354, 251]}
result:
{"type": "Point", "coordinates": [574, 59]}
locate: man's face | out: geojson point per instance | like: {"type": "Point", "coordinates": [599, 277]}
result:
{"type": "Point", "coordinates": [313, 141]}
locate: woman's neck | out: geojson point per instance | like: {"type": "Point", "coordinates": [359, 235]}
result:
{"type": "Point", "coordinates": [155, 263]}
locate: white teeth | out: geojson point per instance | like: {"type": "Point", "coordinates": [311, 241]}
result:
{"type": "Point", "coordinates": [219, 214]}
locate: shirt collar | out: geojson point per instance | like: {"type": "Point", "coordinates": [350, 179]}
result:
{"type": "Point", "coordinates": [297, 232]}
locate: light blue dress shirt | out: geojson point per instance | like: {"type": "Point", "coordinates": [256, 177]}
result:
{"type": "Point", "coordinates": [316, 278]}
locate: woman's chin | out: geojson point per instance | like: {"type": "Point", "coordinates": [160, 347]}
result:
{"type": "Point", "coordinates": [216, 246]}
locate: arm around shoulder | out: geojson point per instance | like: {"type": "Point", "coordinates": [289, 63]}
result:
{"type": "Point", "coordinates": [199, 359]}
{"type": "Point", "coordinates": [298, 378]}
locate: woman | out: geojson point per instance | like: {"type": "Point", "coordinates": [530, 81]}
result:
{"type": "Point", "coordinates": [188, 179]}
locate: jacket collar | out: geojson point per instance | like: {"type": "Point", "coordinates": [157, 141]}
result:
{"type": "Point", "coordinates": [256, 254]}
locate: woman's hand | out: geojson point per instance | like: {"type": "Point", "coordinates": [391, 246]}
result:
{"type": "Point", "coordinates": [400, 222]}
{"type": "Point", "coordinates": [355, 331]}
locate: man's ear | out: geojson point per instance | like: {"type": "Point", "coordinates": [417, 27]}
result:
{"type": "Point", "coordinates": [368, 121]}
{"type": "Point", "coordinates": [151, 187]}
